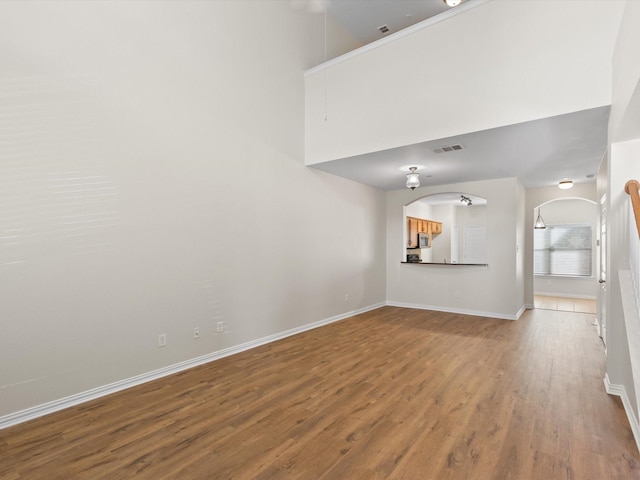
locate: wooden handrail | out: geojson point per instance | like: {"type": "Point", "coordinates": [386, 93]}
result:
{"type": "Point", "coordinates": [632, 187]}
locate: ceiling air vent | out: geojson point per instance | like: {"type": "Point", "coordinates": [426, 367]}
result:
{"type": "Point", "coordinates": [383, 29]}
{"type": "Point", "coordinates": [447, 148]}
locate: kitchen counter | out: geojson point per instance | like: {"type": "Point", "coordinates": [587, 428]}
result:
{"type": "Point", "coordinates": [449, 264]}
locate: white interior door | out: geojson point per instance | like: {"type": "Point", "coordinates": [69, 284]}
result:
{"type": "Point", "coordinates": [454, 244]}
{"type": "Point", "coordinates": [474, 246]}
{"type": "Point", "coordinates": [602, 254]}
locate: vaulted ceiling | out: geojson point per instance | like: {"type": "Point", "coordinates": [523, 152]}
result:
{"type": "Point", "coordinates": [539, 152]}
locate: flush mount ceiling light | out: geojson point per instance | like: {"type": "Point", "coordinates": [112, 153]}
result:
{"type": "Point", "coordinates": [565, 184]}
{"type": "Point", "coordinates": [452, 3]}
{"type": "Point", "coordinates": [412, 178]}
{"type": "Point", "coordinates": [539, 221]}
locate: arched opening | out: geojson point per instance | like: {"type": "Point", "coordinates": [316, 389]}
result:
{"type": "Point", "coordinates": [446, 228]}
{"type": "Point", "coordinates": [565, 256]}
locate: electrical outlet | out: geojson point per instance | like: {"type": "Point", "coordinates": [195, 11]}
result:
{"type": "Point", "coordinates": [196, 333]}
{"type": "Point", "coordinates": [220, 327]}
{"type": "Point", "coordinates": [346, 297]}
{"type": "Point", "coordinates": [162, 340]}
{"type": "Point", "coordinates": [457, 294]}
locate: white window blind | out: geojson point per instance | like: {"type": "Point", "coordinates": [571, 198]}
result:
{"type": "Point", "coordinates": [563, 250]}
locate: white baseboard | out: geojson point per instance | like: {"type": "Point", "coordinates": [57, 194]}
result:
{"type": "Point", "coordinates": [566, 295]}
{"type": "Point", "coordinates": [461, 311]}
{"type": "Point", "coordinates": [76, 399]}
{"type": "Point", "coordinates": [620, 391]}
{"type": "Point", "coordinates": [521, 311]}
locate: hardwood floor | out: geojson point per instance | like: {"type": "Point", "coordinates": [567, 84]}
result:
{"type": "Point", "coordinates": [394, 393]}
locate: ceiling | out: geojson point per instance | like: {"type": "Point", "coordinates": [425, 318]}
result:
{"type": "Point", "coordinates": [362, 18]}
{"type": "Point", "coordinates": [539, 153]}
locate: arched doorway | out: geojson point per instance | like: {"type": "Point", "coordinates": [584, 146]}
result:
{"type": "Point", "coordinates": [566, 260]}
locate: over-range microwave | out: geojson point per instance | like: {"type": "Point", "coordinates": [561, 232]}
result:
{"type": "Point", "coordinates": [423, 240]}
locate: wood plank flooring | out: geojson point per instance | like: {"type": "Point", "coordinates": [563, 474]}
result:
{"type": "Point", "coordinates": [391, 394]}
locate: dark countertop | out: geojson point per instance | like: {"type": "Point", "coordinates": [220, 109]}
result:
{"type": "Point", "coordinates": [449, 264]}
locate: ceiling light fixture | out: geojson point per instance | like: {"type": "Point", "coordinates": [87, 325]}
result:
{"type": "Point", "coordinates": [565, 184]}
{"type": "Point", "coordinates": [539, 221]}
{"type": "Point", "coordinates": [452, 3]}
{"type": "Point", "coordinates": [412, 178]}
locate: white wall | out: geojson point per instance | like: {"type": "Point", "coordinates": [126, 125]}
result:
{"type": "Point", "coordinates": [624, 121]}
{"type": "Point", "coordinates": [623, 165]}
{"type": "Point", "coordinates": [521, 257]}
{"type": "Point", "coordinates": [153, 181]}
{"type": "Point", "coordinates": [419, 87]}
{"type": "Point", "coordinates": [491, 290]}
{"type": "Point", "coordinates": [541, 196]}
{"type": "Point", "coordinates": [571, 211]}
{"type": "Point", "coordinates": [418, 210]}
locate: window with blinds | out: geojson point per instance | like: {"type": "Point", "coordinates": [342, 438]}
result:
{"type": "Point", "coordinates": [563, 250]}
